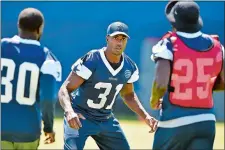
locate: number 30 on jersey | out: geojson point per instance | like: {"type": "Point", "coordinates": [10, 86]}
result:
{"type": "Point", "coordinates": [10, 80]}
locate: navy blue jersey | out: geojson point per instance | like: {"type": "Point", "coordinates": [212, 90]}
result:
{"type": "Point", "coordinates": [29, 73]}
{"type": "Point", "coordinates": [96, 96]}
{"type": "Point", "coordinates": [164, 49]}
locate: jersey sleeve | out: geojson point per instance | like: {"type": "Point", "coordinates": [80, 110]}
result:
{"type": "Point", "coordinates": [135, 76]}
{"type": "Point", "coordinates": [163, 49]}
{"type": "Point", "coordinates": [51, 76]}
{"type": "Point", "coordinates": [52, 66]}
{"type": "Point", "coordinates": [84, 66]}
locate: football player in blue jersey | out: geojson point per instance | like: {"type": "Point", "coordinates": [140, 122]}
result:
{"type": "Point", "coordinates": [189, 66]}
{"type": "Point", "coordinates": [29, 77]}
{"type": "Point", "coordinates": [98, 77]}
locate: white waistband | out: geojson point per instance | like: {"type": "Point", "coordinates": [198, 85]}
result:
{"type": "Point", "coordinates": [186, 120]}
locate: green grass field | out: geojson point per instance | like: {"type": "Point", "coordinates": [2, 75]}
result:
{"type": "Point", "coordinates": [140, 139]}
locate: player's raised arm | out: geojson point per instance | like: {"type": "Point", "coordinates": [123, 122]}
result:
{"type": "Point", "coordinates": [51, 76]}
{"type": "Point", "coordinates": [161, 56]}
{"type": "Point", "coordinates": [131, 100]}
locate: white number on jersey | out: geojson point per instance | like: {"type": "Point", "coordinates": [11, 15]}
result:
{"type": "Point", "coordinates": [202, 77]}
{"type": "Point", "coordinates": [20, 90]}
{"type": "Point", "coordinates": [103, 96]}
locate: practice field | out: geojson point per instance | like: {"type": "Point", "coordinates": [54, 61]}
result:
{"type": "Point", "coordinates": [135, 131]}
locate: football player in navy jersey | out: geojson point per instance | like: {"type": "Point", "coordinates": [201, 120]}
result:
{"type": "Point", "coordinates": [98, 77]}
{"type": "Point", "coordinates": [189, 66]}
{"type": "Point", "coordinates": [29, 78]}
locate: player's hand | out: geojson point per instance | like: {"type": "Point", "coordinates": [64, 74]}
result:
{"type": "Point", "coordinates": [152, 123]}
{"type": "Point", "coordinates": [155, 105]}
{"type": "Point", "coordinates": [49, 137]}
{"type": "Point", "coordinates": [73, 119]}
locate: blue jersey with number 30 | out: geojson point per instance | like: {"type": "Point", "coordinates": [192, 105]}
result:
{"type": "Point", "coordinates": [25, 67]}
{"type": "Point", "coordinates": [96, 96]}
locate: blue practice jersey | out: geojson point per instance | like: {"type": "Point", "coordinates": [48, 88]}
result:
{"type": "Point", "coordinates": [96, 96]}
{"type": "Point", "coordinates": [164, 49]}
{"type": "Point", "coordinates": [29, 76]}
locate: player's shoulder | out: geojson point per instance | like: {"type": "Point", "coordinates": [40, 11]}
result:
{"type": "Point", "coordinates": [163, 49]}
{"type": "Point", "coordinates": [131, 69]}
{"type": "Point", "coordinates": [211, 36]}
{"type": "Point", "coordinates": [14, 45]}
{"type": "Point", "coordinates": [129, 62]}
{"type": "Point", "coordinates": [86, 64]}
{"type": "Point", "coordinates": [162, 45]}
{"type": "Point", "coordinates": [17, 40]}
{"type": "Point", "coordinates": [167, 35]}
{"type": "Point", "coordinates": [5, 46]}
{"type": "Point", "coordinates": [51, 65]}
{"type": "Point", "coordinates": [8, 41]}
{"type": "Point", "coordinates": [91, 55]}
{"type": "Point", "coordinates": [88, 60]}
{"type": "Point", "coordinates": [49, 54]}
{"type": "Point", "coordinates": [22, 43]}
{"type": "Point", "coordinates": [214, 39]}
{"type": "Point", "coordinates": [49, 58]}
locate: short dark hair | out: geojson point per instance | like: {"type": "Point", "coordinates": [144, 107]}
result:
{"type": "Point", "coordinates": [30, 19]}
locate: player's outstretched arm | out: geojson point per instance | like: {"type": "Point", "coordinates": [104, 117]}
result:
{"type": "Point", "coordinates": [72, 82]}
{"type": "Point", "coordinates": [131, 100]}
{"type": "Point", "coordinates": [160, 82]}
